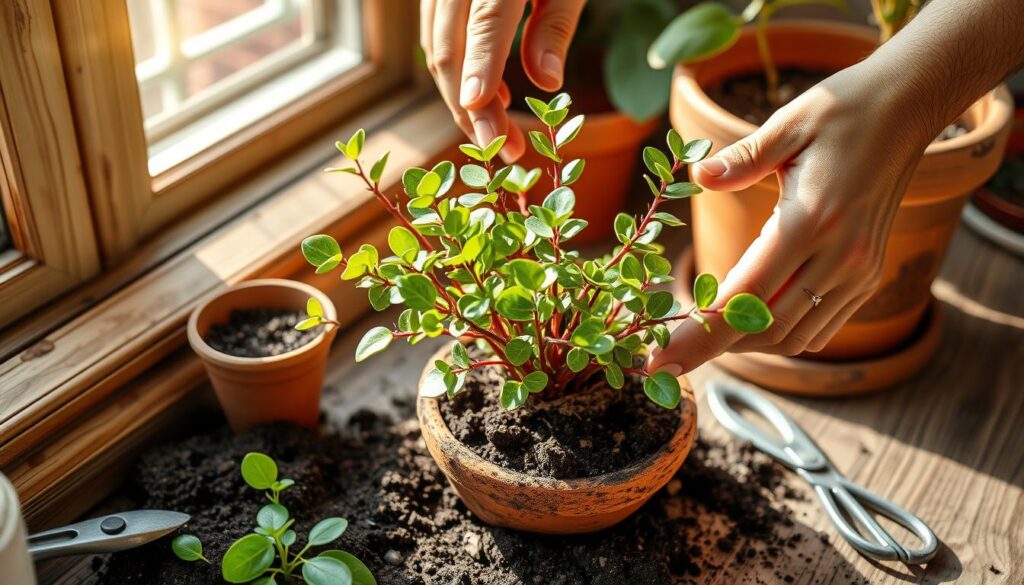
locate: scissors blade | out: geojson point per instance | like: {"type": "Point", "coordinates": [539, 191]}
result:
{"type": "Point", "coordinates": [110, 533]}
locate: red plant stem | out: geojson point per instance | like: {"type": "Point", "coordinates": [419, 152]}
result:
{"type": "Point", "coordinates": [481, 364]}
{"type": "Point", "coordinates": [375, 189]}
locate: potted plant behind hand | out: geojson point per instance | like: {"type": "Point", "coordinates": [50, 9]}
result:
{"type": "Point", "coordinates": [536, 434]}
{"type": "Point", "coordinates": [622, 96]}
{"type": "Point", "coordinates": [729, 79]}
{"type": "Point", "coordinates": [261, 367]}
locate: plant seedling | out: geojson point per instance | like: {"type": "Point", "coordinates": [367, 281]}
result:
{"type": "Point", "coordinates": [710, 28]}
{"type": "Point", "coordinates": [251, 558]}
{"type": "Point", "coordinates": [480, 263]}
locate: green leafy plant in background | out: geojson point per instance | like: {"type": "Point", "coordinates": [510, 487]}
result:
{"type": "Point", "coordinates": [893, 15]}
{"type": "Point", "coordinates": [250, 559]}
{"type": "Point", "coordinates": [480, 264]}
{"type": "Point", "coordinates": [710, 28]}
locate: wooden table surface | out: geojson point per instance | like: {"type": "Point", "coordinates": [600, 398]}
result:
{"type": "Point", "coordinates": [947, 445]}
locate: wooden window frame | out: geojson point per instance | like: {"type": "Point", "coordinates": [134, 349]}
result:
{"type": "Point", "coordinates": [129, 205]}
{"type": "Point", "coordinates": [51, 229]}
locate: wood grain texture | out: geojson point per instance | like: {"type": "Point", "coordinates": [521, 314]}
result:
{"type": "Point", "coordinates": [946, 445]}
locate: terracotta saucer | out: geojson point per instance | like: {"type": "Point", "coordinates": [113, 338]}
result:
{"type": "Point", "coordinates": [811, 377]}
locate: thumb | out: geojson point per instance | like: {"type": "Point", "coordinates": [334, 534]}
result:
{"type": "Point", "coordinates": [749, 160]}
{"type": "Point", "coordinates": [546, 38]}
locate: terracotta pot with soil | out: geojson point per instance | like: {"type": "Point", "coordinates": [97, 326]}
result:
{"type": "Point", "coordinates": [576, 464]}
{"type": "Point", "coordinates": [726, 223]}
{"type": "Point", "coordinates": [261, 368]}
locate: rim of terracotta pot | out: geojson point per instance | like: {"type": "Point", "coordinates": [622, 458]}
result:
{"type": "Point", "coordinates": [682, 439]}
{"type": "Point", "coordinates": [611, 122]}
{"type": "Point", "coordinates": [826, 378]}
{"type": "Point", "coordinates": [205, 351]}
{"type": "Point", "coordinates": [993, 119]}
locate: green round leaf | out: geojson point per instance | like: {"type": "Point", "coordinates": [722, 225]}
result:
{"type": "Point", "coordinates": [698, 33]}
{"type": "Point", "coordinates": [323, 570]}
{"type": "Point", "coordinates": [663, 389]}
{"type": "Point", "coordinates": [259, 470]}
{"type": "Point", "coordinates": [577, 359]}
{"type": "Point", "coordinates": [417, 291]}
{"type": "Point", "coordinates": [474, 176]}
{"type": "Point", "coordinates": [378, 167]}
{"type": "Point", "coordinates": [634, 87]}
{"type": "Point", "coordinates": [528, 273]}
{"type": "Point", "coordinates": [590, 335]}
{"type": "Point", "coordinates": [675, 143]}
{"type": "Point", "coordinates": [319, 249]}
{"type": "Point", "coordinates": [654, 158]}
{"type": "Point", "coordinates": [561, 201]}
{"type": "Point", "coordinates": [513, 395]}
{"type": "Point", "coordinates": [327, 530]}
{"type": "Point", "coordinates": [613, 373]}
{"type": "Point", "coordinates": [314, 308]}
{"type": "Point", "coordinates": [538, 227]}
{"type": "Point", "coordinates": [373, 342]}
{"type": "Point", "coordinates": [569, 130]}
{"type": "Point", "coordinates": [187, 548]}
{"type": "Point", "coordinates": [272, 517]}
{"type": "Point", "coordinates": [308, 323]}
{"type": "Point", "coordinates": [403, 243]}
{"type": "Point", "coordinates": [659, 304]}
{"type": "Point", "coordinates": [657, 265]}
{"type": "Point", "coordinates": [515, 303]}
{"type": "Point", "coordinates": [428, 185]}
{"type": "Point", "coordinates": [747, 314]}
{"type": "Point", "coordinates": [696, 150]}
{"type": "Point", "coordinates": [361, 575]}
{"type": "Point", "coordinates": [288, 538]}
{"type": "Point", "coordinates": [247, 559]}
{"type": "Point", "coordinates": [518, 351]}
{"type": "Point", "coordinates": [460, 356]}
{"type": "Point", "coordinates": [705, 290]}
{"type": "Point", "coordinates": [535, 382]}
{"type": "Point", "coordinates": [433, 385]}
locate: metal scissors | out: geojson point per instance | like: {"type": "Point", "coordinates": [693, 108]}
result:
{"type": "Point", "coordinates": [841, 498]}
{"type": "Point", "coordinates": [110, 533]}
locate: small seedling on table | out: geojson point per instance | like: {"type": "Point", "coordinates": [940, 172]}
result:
{"type": "Point", "coordinates": [711, 27]}
{"type": "Point", "coordinates": [252, 558]}
{"type": "Point", "coordinates": [480, 263]}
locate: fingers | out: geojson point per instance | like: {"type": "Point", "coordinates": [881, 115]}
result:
{"type": "Point", "coordinates": [546, 38]}
{"type": "Point", "coordinates": [489, 34]}
{"type": "Point", "coordinates": [764, 269]}
{"type": "Point", "coordinates": [838, 320]}
{"type": "Point", "coordinates": [491, 122]}
{"type": "Point", "coordinates": [447, 46]}
{"type": "Point", "coordinates": [796, 319]}
{"type": "Point", "coordinates": [753, 158]}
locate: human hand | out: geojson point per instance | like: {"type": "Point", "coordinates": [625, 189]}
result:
{"type": "Point", "coordinates": [467, 42]}
{"type": "Point", "coordinates": [844, 152]}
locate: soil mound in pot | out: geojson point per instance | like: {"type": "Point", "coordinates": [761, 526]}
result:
{"type": "Point", "coordinates": [259, 333]}
{"type": "Point", "coordinates": [725, 509]}
{"type": "Point", "coordinates": [594, 430]}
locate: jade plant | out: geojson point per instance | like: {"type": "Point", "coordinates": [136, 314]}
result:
{"type": "Point", "coordinates": [482, 265]}
{"type": "Point", "coordinates": [711, 27]}
{"type": "Point", "coordinates": [251, 559]}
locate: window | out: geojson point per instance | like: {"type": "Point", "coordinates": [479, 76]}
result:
{"type": "Point", "coordinates": [207, 69]}
{"type": "Point", "coordinates": [120, 118]}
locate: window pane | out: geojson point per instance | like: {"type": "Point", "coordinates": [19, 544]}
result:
{"type": "Point", "coordinates": [208, 69]}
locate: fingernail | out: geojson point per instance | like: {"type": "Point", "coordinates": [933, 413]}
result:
{"type": "Point", "coordinates": [552, 65]}
{"type": "Point", "coordinates": [674, 370]}
{"type": "Point", "coordinates": [485, 131]}
{"type": "Point", "coordinates": [471, 90]}
{"type": "Point", "coordinates": [713, 166]}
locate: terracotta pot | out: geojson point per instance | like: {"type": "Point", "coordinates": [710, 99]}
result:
{"type": "Point", "coordinates": [253, 391]}
{"type": "Point", "coordinates": [1001, 210]}
{"type": "Point", "coordinates": [503, 497]}
{"type": "Point", "coordinates": [725, 224]}
{"type": "Point", "coordinates": [610, 143]}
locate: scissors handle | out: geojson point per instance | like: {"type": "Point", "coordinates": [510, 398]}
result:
{"type": "Point", "coordinates": [842, 495]}
{"type": "Point", "coordinates": [795, 449]}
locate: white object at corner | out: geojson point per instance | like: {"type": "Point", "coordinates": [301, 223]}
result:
{"type": "Point", "coordinates": [15, 562]}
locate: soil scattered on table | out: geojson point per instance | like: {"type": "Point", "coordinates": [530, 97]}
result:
{"type": "Point", "coordinates": [746, 96]}
{"type": "Point", "coordinates": [592, 431]}
{"type": "Point", "coordinates": [724, 509]}
{"type": "Point", "coordinates": [260, 333]}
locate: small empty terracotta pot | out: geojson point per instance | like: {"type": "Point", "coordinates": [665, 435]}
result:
{"type": "Point", "coordinates": [254, 391]}
{"type": "Point", "coordinates": [502, 497]}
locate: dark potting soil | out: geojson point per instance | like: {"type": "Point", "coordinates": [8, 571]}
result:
{"type": "Point", "coordinates": [1008, 182]}
{"type": "Point", "coordinates": [746, 96]}
{"type": "Point", "coordinates": [724, 509]}
{"type": "Point", "coordinates": [595, 430]}
{"type": "Point", "coordinates": [260, 333]}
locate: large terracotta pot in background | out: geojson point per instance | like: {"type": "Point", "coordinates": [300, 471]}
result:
{"type": "Point", "coordinates": [503, 497]}
{"type": "Point", "coordinates": [253, 391]}
{"type": "Point", "coordinates": [610, 144]}
{"type": "Point", "coordinates": [726, 223]}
